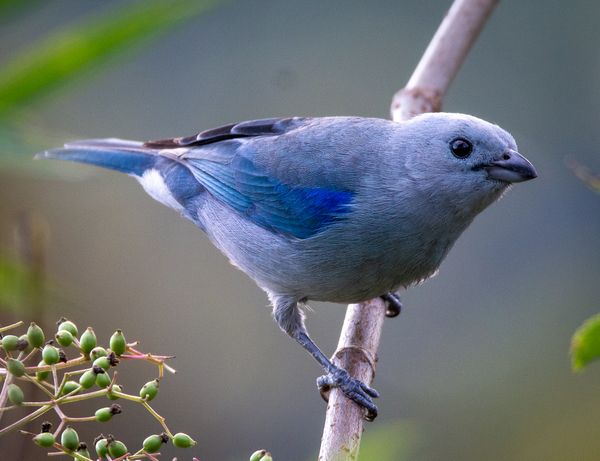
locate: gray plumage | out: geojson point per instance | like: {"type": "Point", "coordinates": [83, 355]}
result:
{"type": "Point", "coordinates": [340, 209]}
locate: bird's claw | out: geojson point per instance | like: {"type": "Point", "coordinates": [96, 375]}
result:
{"type": "Point", "coordinates": [393, 304]}
{"type": "Point", "coordinates": [354, 389]}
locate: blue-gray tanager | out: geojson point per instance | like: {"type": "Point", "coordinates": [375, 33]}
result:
{"type": "Point", "coordinates": [340, 209]}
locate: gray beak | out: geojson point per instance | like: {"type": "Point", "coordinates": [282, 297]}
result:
{"type": "Point", "coordinates": [512, 167]}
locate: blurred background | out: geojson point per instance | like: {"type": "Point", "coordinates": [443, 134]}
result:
{"type": "Point", "coordinates": [477, 365]}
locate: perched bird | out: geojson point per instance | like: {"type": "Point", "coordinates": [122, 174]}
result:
{"type": "Point", "coordinates": [340, 209]}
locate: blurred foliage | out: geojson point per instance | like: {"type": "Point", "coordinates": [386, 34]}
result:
{"type": "Point", "coordinates": [390, 442]}
{"type": "Point", "coordinates": [16, 284]}
{"type": "Point", "coordinates": [11, 8]}
{"type": "Point", "coordinates": [590, 179]}
{"type": "Point", "coordinates": [585, 344]}
{"type": "Point", "coordinates": [72, 51]}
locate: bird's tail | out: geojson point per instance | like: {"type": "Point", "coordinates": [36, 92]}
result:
{"type": "Point", "coordinates": [130, 157]}
{"type": "Point", "coordinates": [162, 177]}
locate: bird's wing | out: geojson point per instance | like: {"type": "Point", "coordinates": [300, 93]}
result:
{"type": "Point", "coordinates": [249, 178]}
{"type": "Point", "coordinates": [262, 127]}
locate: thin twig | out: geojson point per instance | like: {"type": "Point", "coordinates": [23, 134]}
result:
{"type": "Point", "coordinates": [359, 339]}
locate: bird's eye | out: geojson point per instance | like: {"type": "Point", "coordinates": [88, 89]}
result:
{"type": "Point", "coordinates": [461, 148]}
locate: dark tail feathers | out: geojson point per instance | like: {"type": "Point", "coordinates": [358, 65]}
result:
{"type": "Point", "coordinates": [129, 157]}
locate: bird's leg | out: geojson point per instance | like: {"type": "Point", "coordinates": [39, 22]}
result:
{"type": "Point", "coordinates": [290, 319]}
{"type": "Point", "coordinates": [393, 304]}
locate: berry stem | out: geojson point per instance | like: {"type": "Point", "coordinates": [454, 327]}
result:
{"type": "Point", "coordinates": [4, 392]}
{"type": "Point", "coordinates": [158, 417]}
{"type": "Point", "coordinates": [59, 366]}
{"type": "Point", "coordinates": [81, 419]}
{"type": "Point", "coordinates": [35, 382]}
{"type": "Point", "coordinates": [30, 417]}
{"type": "Point", "coordinates": [10, 327]}
{"type": "Point", "coordinates": [64, 451]}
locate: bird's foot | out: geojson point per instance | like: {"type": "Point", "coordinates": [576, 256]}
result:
{"type": "Point", "coordinates": [352, 388]}
{"type": "Point", "coordinates": [393, 304]}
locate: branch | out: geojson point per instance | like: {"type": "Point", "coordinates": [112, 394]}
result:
{"type": "Point", "coordinates": [442, 59]}
{"type": "Point", "coordinates": [361, 332]}
{"type": "Point", "coordinates": [356, 353]}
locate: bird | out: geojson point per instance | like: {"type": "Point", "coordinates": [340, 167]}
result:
{"type": "Point", "coordinates": [339, 209]}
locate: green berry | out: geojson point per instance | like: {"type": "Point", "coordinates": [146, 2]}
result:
{"type": "Point", "coordinates": [69, 439]}
{"type": "Point", "coordinates": [116, 449]}
{"type": "Point", "coordinates": [15, 394]}
{"type": "Point", "coordinates": [102, 380]}
{"type": "Point", "coordinates": [69, 387]}
{"type": "Point", "coordinates": [24, 344]}
{"type": "Point", "coordinates": [64, 338]}
{"type": "Point", "coordinates": [152, 443]}
{"type": "Point", "coordinates": [87, 379]}
{"type": "Point", "coordinates": [97, 352]}
{"type": "Point", "coordinates": [149, 390]}
{"type": "Point", "coordinates": [257, 455]}
{"type": "Point", "coordinates": [42, 375]}
{"type": "Point", "coordinates": [50, 354]}
{"type": "Point", "coordinates": [102, 362]}
{"type": "Point", "coordinates": [68, 326]}
{"type": "Point", "coordinates": [112, 396]}
{"type": "Point", "coordinates": [181, 440]}
{"type": "Point", "coordinates": [45, 439]}
{"type": "Point", "coordinates": [101, 447]}
{"type": "Point", "coordinates": [267, 457]}
{"type": "Point", "coordinates": [10, 343]}
{"type": "Point", "coordinates": [15, 367]}
{"type": "Point", "coordinates": [87, 341]}
{"type": "Point", "coordinates": [117, 343]}
{"type": "Point", "coordinates": [105, 414]}
{"type": "Point", "coordinates": [35, 335]}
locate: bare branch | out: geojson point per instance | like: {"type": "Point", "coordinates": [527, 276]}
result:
{"type": "Point", "coordinates": [359, 339]}
{"type": "Point", "coordinates": [356, 353]}
{"type": "Point", "coordinates": [442, 59]}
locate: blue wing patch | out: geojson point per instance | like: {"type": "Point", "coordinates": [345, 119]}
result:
{"type": "Point", "coordinates": [297, 211]}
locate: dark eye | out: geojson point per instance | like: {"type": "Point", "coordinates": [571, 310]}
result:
{"type": "Point", "coordinates": [461, 148]}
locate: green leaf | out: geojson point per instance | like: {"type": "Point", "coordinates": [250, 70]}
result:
{"type": "Point", "coordinates": [70, 51]}
{"type": "Point", "coordinates": [15, 283]}
{"type": "Point", "coordinates": [585, 343]}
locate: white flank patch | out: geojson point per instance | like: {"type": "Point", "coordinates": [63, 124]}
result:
{"type": "Point", "coordinates": [155, 186]}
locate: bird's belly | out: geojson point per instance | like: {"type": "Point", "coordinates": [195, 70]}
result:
{"type": "Point", "coordinates": [326, 268]}
{"type": "Point", "coordinates": [357, 280]}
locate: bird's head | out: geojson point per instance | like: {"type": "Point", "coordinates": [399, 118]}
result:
{"type": "Point", "coordinates": [463, 158]}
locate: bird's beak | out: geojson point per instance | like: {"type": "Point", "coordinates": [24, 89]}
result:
{"type": "Point", "coordinates": [512, 167]}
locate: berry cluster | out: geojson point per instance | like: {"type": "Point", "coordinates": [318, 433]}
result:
{"type": "Point", "coordinates": [89, 374]}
